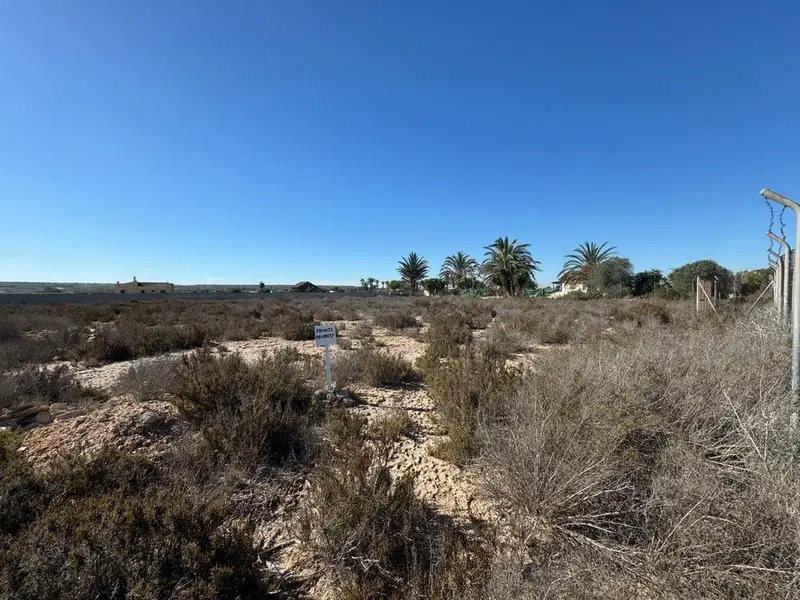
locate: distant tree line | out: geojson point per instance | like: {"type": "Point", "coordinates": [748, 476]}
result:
{"type": "Point", "coordinates": [592, 270]}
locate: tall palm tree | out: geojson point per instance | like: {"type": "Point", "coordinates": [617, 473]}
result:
{"type": "Point", "coordinates": [413, 269]}
{"type": "Point", "coordinates": [583, 259]}
{"type": "Point", "coordinates": [509, 265]}
{"type": "Point", "coordinates": [458, 267]}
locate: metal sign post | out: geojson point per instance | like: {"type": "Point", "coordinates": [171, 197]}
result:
{"type": "Point", "coordinates": [325, 336]}
{"type": "Point", "coordinates": [784, 201]}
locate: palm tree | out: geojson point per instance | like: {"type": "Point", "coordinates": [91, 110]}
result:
{"type": "Point", "coordinates": [509, 265]}
{"type": "Point", "coordinates": [413, 269]}
{"type": "Point", "coordinates": [458, 267]}
{"type": "Point", "coordinates": [583, 259]}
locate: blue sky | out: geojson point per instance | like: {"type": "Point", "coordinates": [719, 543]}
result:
{"type": "Point", "coordinates": [204, 141]}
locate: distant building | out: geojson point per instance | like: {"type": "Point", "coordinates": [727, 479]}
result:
{"type": "Point", "coordinates": [305, 286]}
{"type": "Point", "coordinates": [566, 288]}
{"type": "Point", "coordinates": [144, 287]}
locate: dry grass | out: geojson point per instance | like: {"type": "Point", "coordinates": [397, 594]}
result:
{"type": "Point", "coordinates": [662, 467]}
{"type": "Point", "coordinates": [150, 379]}
{"type": "Point", "coordinates": [648, 455]}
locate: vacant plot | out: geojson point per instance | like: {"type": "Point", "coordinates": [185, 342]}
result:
{"type": "Point", "coordinates": [499, 449]}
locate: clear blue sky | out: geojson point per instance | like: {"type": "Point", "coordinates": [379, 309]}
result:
{"type": "Point", "coordinates": [207, 141]}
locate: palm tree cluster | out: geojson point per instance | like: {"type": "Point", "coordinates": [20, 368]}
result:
{"type": "Point", "coordinates": [508, 266]}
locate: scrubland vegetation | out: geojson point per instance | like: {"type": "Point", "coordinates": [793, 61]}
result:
{"type": "Point", "coordinates": [628, 449]}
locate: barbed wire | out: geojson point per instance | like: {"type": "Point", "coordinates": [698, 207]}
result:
{"type": "Point", "coordinates": [780, 218]}
{"type": "Point", "coordinates": [771, 222]}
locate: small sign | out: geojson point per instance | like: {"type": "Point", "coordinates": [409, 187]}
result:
{"type": "Point", "coordinates": [324, 335]}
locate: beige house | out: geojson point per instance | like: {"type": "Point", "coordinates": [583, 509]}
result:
{"type": "Point", "coordinates": [144, 287]}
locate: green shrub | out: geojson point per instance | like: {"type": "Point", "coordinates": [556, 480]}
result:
{"type": "Point", "coordinates": [253, 414]}
{"type": "Point", "coordinates": [115, 527]}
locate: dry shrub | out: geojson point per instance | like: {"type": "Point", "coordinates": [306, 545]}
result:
{"type": "Point", "coordinates": [43, 385]}
{"type": "Point", "coordinates": [390, 428]}
{"type": "Point", "coordinates": [479, 311]}
{"type": "Point", "coordinates": [448, 330]}
{"type": "Point", "coordinates": [371, 537]}
{"type": "Point", "coordinates": [150, 379]}
{"type": "Point", "coordinates": [667, 460]}
{"type": "Point", "coordinates": [395, 318]}
{"type": "Point", "coordinates": [253, 414]}
{"type": "Point", "coordinates": [507, 341]}
{"type": "Point", "coordinates": [373, 367]}
{"type": "Point", "coordinates": [129, 339]}
{"type": "Point", "coordinates": [643, 312]}
{"type": "Point", "coordinates": [116, 527]}
{"type": "Point", "coordinates": [469, 390]}
{"type": "Point", "coordinates": [361, 331]}
{"type": "Point", "coordinates": [295, 327]}
{"type": "Point", "coordinates": [287, 354]}
{"type": "Point", "coordinates": [10, 329]}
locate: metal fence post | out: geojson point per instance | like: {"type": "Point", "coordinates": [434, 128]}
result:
{"type": "Point", "coordinates": [775, 280]}
{"type": "Point", "coordinates": [783, 200]}
{"type": "Point", "coordinates": [779, 283]}
{"type": "Point", "coordinates": [787, 254]}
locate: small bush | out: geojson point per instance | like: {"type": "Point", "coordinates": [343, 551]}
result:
{"type": "Point", "coordinates": [507, 341]}
{"type": "Point", "coordinates": [394, 319]}
{"type": "Point", "coordinates": [151, 379]}
{"type": "Point", "coordinates": [10, 330]}
{"type": "Point", "coordinates": [447, 331]}
{"type": "Point", "coordinates": [42, 385]}
{"type": "Point", "coordinates": [296, 327]}
{"type": "Point", "coordinates": [361, 331]}
{"type": "Point", "coordinates": [392, 427]}
{"type": "Point", "coordinates": [127, 339]}
{"type": "Point", "coordinates": [469, 390]}
{"type": "Point", "coordinates": [373, 367]}
{"type": "Point", "coordinates": [287, 354]}
{"type": "Point", "coordinates": [643, 312]}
